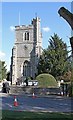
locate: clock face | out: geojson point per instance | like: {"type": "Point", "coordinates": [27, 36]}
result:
{"type": "Point", "coordinates": [25, 47]}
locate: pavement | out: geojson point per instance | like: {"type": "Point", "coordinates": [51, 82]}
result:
{"type": "Point", "coordinates": [3, 94]}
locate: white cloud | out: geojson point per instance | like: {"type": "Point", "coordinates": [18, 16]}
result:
{"type": "Point", "coordinates": [46, 29]}
{"type": "Point", "coordinates": [2, 55]}
{"type": "Point", "coordinates": [12, 28]}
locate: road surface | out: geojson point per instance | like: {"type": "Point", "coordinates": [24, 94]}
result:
{"type": "Point", "coordinates": [50, 103]}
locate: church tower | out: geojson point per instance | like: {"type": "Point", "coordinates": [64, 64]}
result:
{"type": "Point", "coordinates": [26, 51]}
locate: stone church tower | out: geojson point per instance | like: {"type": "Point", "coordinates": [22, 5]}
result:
{"type": "Point", "coordinates": [26, 51]}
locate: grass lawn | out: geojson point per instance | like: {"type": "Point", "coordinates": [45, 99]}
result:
{"type": "Point", "coordinates": [25, 115]}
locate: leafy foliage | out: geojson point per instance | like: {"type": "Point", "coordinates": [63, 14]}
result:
{"type": "Point", "coordinates": [54, 58]}
{"type": "Point", "coordinates": [3, 70]}
{"type": "Point", "coordinates": [46, 80]}
{"type": "Point", "coordinates": [8, 76]}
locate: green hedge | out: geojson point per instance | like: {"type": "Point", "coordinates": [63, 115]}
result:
{"type": "Point", "coordinates": [46, 80]}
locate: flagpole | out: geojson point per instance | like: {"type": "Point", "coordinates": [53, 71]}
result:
{"type": "Point", "coordinates": [19, 18]}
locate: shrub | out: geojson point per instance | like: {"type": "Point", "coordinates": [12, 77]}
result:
{"type": "Point", "coordinates": [46, 80]}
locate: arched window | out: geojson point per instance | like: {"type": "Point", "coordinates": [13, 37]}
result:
{"type": "Point", "coordinates": [26, 69]}
{"type": "Point", "coordinates": [27, 35]}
